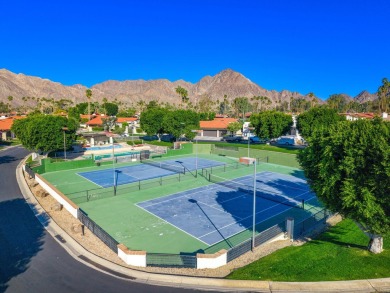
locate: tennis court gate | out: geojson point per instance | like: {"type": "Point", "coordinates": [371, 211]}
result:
{"type": "Point", "coordinates": [171, 260]}
{"type": "Point", "coordinates": [314, 222]}
{"type": "Point", "coordinates": [97, 230]}
{"type": "Point", "coordinates": [260, 239]}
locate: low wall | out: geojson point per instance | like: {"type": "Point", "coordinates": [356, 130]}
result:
{"type": "Point", "coordinates": [130, 257]}
{"type": "Point", "coordinates": [211, 261]}
{"type": "Point", "coordinates": [278, 158]}
{"type": "Point", "coordinates": [49, 166]}
{"type": "Point", "coordinates": [58, 195]}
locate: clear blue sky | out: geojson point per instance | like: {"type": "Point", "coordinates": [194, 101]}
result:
{"type": "Point", "coordinates": [324, 47]}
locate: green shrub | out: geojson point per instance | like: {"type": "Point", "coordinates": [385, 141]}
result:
{"type": "Point", "coordinates": [137, 141]}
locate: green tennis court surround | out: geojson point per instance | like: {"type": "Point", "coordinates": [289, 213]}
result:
{"type": "Point", "coordinates": [121, 216]}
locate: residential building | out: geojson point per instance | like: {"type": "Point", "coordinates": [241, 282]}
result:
{"type": "Point", "coordinates": [216, 128]}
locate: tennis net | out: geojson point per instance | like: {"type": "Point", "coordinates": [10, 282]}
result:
{"type": "Point", "coordinates": [239, 186]}
{"type": "Point", "coordinates": [166, 166]}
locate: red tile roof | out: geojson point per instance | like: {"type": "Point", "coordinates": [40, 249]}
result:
{"type": "Point", "coordinates": [96, 121]}
{"type": "Point", "coordinates": [217, 123]}
{"type": "Point", "coordinates": [360, 115]}
{"type": "Point", "coordinates": [6, 124]}
{"type": "Point", "coordinates": [86, 116]}
{"type": "Point", "coordinates": [126, 119]}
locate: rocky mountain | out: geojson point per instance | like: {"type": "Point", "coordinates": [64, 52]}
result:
{"type": "Point", "coordinates": [365, 96]}
{"type": "Point", "coordinates": [227, 83]}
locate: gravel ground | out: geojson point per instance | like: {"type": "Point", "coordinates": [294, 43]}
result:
{"type": "Point", "coordinates": [93, 244]}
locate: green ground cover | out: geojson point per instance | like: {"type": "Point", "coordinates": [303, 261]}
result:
{"type": "Point", "coordinates": [275, 148]}
{"type": "Point", "coordinates": [4, 143]}
{"type": "Point", "coordinates": [140, 230]}
{"type": "Point", "coordinates": [338, 254]}
{"type": "Point", "coordinates": [160, 143]}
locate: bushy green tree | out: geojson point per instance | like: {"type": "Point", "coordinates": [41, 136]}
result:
{"type": "Point", "coordinates": [241, 106]}
{"type": "Point", "coordinates": [129, 112]}
{"type": "Point", "coordinates": [152, 121]}
{"type": "Point", "coordinates": [234, 126]}
{"type": "Point", "coordinates": [82, 108]}
{"type": "Point", "coordinates": [337, 102]}
{"type": "Point", "coordinates": [348, 166]}
{"type": "Point", "coordinates": [181, 122]}
{"type": "Point", "coordinates": [44, 132]}
{"type": "Point", "coordinates": [74, 113]}
{"type": "Point", "coordinates": [207, 116]}
{"type": "Point", "coordinates": [110, 109]}
{"type": "Point", "coordinates": [317, 118]}
{"type": "Point", "coordinates": [271, 124]}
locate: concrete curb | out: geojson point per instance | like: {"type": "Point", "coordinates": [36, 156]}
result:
{"type": "Point", "coordinates": [81, 254]}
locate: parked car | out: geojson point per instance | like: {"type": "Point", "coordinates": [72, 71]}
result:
{"type": "Point", "coordinates": [256, 139]}
{"type": "Point", "coordinates": [168, 138]}
{"type": "Point", "coordinates": [150, 137]}
{"type": "Point", "coordinates": [232, 138]}
{"type": "Point", "coordinates": [286, 140]}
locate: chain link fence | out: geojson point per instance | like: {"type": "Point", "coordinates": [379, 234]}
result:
{"type": "Point", "coordinates": [171, 260]}
{"type": "Point", "coordinates": [260, 239]}
{"type": "Point", "coordinates": [97, 230]}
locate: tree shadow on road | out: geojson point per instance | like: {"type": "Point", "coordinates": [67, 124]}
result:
{"type": "Point", "coordinates": [21, 238]}
{"type": "Point", "coordinates": [7, 159]}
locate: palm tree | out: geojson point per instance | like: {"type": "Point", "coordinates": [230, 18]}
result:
{"type": "Point", "coordinates": [384, 94]}
{"type": "Point", "coordinates": [88, 94]}
{"type": "Point", "coordinates": [183, 94]}
{"type": "Point", "coordinates": [10, 98]}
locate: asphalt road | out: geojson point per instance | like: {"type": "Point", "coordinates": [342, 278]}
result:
{"type": "Point", "coordinates": [32, 261]}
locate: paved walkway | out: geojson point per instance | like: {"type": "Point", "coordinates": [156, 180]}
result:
{"type": "Point", "coordinates": [91, 260]}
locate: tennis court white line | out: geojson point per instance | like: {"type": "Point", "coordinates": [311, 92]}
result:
{"type": "Point", "coordinates": [215, 208]}
{"type": "Point", "coordinates": [216, 230]}
{"type": "Point", "coordinates": [90, 181]}
{"type": "Point", "coordinates": [208, 187]}
{"type": "Point", "coordinates": [247, 218]}
{"type": "Point", "coordinates": [173, 225]}
{"type": "Point", "coordinates": [278, 193]}
{"type": "Point", "coordinates": [212, 187]}
{"type": "Point", "coordinates": [270, 173]}
{"type": "Point", "coordinates": [236, 222]}
{"type": "Point", "coordinates": [287, 209]}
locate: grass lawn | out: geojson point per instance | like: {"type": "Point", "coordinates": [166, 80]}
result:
{"type": "Point", "coordinates": [338, 254]}
{"type": "Point", "coordinates": [9, 143]}
{"type": "Point", "coordinates": [266, 147]}
{"type": "Point", "coordinates": [160, 143]}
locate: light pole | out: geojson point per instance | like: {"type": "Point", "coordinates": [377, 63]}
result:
{"type": "Point", "coordinates": [64, 130]}
{"type": "Point", "coordinates": [196, 152]}
{"type": "Point", "coordinates": [254, 208]}
{"type": "Point", "coordinates": [248, 143]}
{"type": "Point", "coordinates": [132, 132]}
{"type": "Point", "coordinates": [113, 165]}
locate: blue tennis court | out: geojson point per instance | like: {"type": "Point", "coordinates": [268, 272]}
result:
{"type": "Point", "coordinates": [192, 163]}
{"type": "Point", "coordinates": [216, 212]}
{"type": "Point", "coordinates": [124, 175]}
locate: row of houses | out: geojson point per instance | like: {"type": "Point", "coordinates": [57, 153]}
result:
{"type": "Point", "coordinates": [216, 128]}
